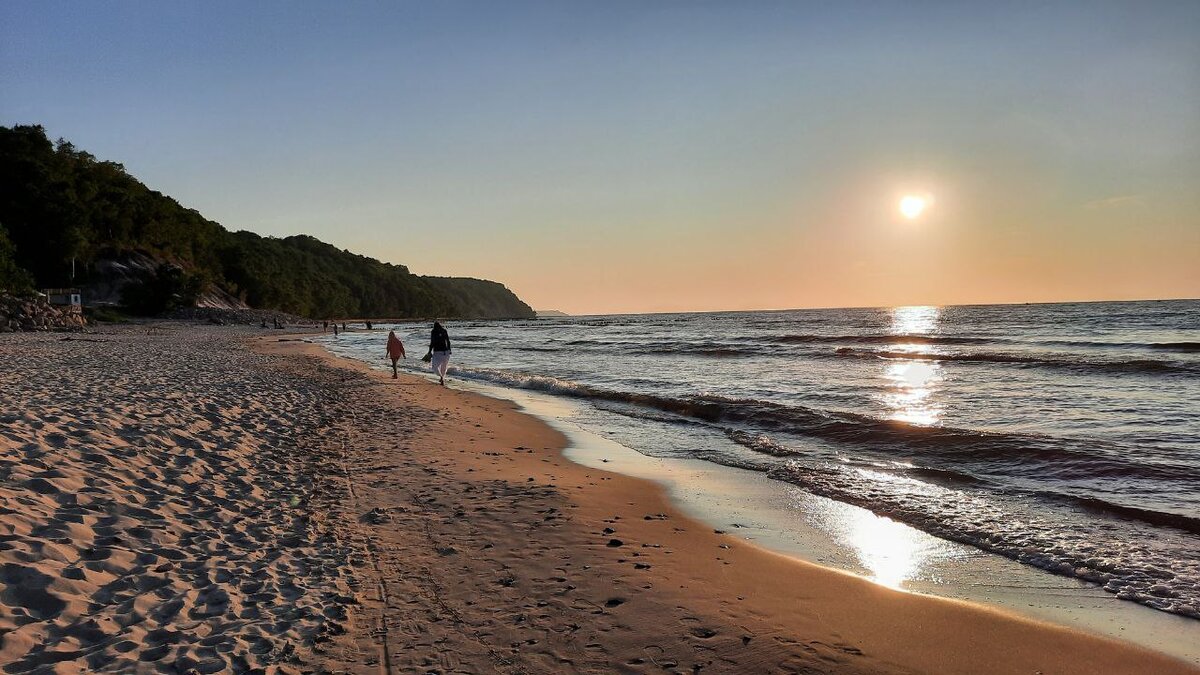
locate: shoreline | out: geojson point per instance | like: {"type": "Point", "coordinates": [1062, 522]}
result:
{"type": "Point", "coordinates": [909, 631]}
{"type": "Point", "coordinates": [784, 519]}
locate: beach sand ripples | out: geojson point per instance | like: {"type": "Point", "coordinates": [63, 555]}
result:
{"type": "Point", "coordinates": [158, 511]}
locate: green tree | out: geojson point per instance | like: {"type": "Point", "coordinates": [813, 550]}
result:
{"type": "Point", "coordinates": [12, 277]}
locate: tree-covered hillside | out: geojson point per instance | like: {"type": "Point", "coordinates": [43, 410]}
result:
{"type": "Point", "coordinates": [60, 205]}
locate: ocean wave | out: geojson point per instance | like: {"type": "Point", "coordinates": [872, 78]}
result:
{"type": "Point", "coordinates": [1159, 346]}
{"type": "Point", "coordinates": [946, 476]}
{"type": "Point", "coordinates": [760, 443]}
{"type": "Point", "coordinates": [644, 413]}
{"type": "Point", "coordinates": [1174, 346]}
{"type": "Point", "coordinates": [1104, 507]}
{"type": "Point", "coordinates": [1139, 574]}
{"type": "Point", "coordinates": [713, 349]}
{"type": "Point", "coordinates": [694, 408]}
{"type": "Point", "coordinates": [507, 378]}
{"type": "Point", "coordinates": [886, 339]}
{"type": "Point", "coordinates": [1126, 366]}
{"type": "Point", "coordinates": [766, 445]}
{"type": "Point", "coordinates": [606, 344]}
{"type": "Point", "coordinates": [716, 351]}
{"type": "Point", "coordinates": [1011, 454]}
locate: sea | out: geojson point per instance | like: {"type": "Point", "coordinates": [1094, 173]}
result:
{"type": "Point", "coordinates": [1062, 436]}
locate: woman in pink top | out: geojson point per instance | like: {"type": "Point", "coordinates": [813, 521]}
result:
{"type": "Point", "coordinates": [395, 350]}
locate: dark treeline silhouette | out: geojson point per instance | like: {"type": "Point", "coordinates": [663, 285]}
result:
{"type": "Point", "coordinates": [62, 208]}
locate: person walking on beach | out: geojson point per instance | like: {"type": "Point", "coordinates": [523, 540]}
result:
{"type": "Point", "coordinates": [439, 347]}
{"type": "Point", "coordinates": [395, 350]}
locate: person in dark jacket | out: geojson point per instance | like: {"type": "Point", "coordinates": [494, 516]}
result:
{"type": "Point", "coordinates": [439, 347]}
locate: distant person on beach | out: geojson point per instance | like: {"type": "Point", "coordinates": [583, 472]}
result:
{"type": "Point", "coordinates": [335, 329]}
{"type": "Point", "coordinates": [324, 327]}
{"type": "Point", "coordinates": [369, 326]}
{"type": "Point", "coordinates": [439, 347]}
{"type": "Point", "coordinates": [395, 350]}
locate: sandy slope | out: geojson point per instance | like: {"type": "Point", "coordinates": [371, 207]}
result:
{"type": "Point", "coordinates": [170, 500]}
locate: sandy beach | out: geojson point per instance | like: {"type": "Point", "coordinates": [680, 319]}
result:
{"type": "Point", "coordinates": [177, 498]}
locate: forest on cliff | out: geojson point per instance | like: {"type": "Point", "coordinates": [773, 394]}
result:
{"type": "Point", "coordinates": [67, 218]}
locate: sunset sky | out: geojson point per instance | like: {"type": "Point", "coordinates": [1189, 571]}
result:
{"type": "Point", "coordinates": [659, 156]}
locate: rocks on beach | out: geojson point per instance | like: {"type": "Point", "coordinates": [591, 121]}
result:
{"type": "Point", "coordinates": [27, 314]}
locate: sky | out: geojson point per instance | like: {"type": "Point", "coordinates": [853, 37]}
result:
{"type": "Point", "coordinates": [608, 157]}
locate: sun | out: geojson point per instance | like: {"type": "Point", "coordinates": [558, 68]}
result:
{"type": "Point", "coordinates": [912, 206]}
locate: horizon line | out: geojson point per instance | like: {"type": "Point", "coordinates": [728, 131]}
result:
{"type": "Point", "coordinates": [801, 309]}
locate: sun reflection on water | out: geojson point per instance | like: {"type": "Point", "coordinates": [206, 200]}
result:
{"type": "Point", "coordinates": [916, 320]}
{"type": "Point", "coordinates": [890, 553]}
{"type": "Point", "coordinates": [910, 385]}
{"type": "Point", "coordinates": [889, 550]}
{"type": "Point", "coordinates": [910, 392]}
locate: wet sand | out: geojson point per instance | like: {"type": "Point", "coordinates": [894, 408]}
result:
{"type": "Point", "coordinates": [171, 498]}
{"type": "Point", "coordinates": [783, 518]}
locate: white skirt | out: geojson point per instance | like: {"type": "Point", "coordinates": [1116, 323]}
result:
{"type": "Point", "coordinates": [441, 361]}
